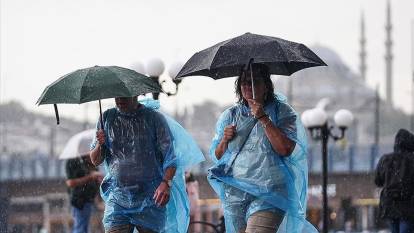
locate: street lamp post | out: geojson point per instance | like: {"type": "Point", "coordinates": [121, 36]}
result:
{"type": "Point", "coordinates": [412, 74]}
{"type": "Point", "coordinates": [155, 68]}
{"type": "Point", "coordinates": [173, 70]}
{"type": "Point", "coordinates": [316, 120]}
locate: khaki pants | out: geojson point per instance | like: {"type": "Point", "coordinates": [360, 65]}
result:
{"type": "Point", "coordinates": [264, 222]}
{"type": "Point", "coordinates": [127, 229]}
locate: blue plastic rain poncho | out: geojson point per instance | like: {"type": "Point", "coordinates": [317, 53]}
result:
{"type": "Point", "coordinates": [140, 146]}
{"type": "Point", "coordinates": [251, 176]}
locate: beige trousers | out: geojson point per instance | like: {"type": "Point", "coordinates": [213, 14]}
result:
{"type": "Point", "coordinates": [264, 222]}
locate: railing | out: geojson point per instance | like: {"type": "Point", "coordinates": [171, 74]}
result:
{"type": "Point", "coordinates": [46, 213]}
{"type": "Point", "coordinates": [351, 159]}
{"type": "Point", "coordinates": [208, 227]}
{"type": "Point", "coordinates": [207, 218]}
{"type": "Point", "coordinates": [40, 211]}
{"type": "Point", "coordinates": [13, 168]}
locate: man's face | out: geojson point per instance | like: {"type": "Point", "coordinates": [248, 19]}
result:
{"type": "Point", "coordinates": [125, 104]}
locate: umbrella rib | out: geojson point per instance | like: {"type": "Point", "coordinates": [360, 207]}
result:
{"type": "Point", "coordinates": [282, 49]}
{"type": "Point", "coordinates": [214, 58]}
{"type": "Point", "coordinates": [224, 43]}
{"type": "Point", "coordinates": [40, 100]}
{"type": "Point", "coordinates": [288, 61]}
{"type": "Point", "coordinates": [122, 83]}
{"type": "Point", "coordinates": [126, 87]}
{"type": "Point", "coordinates": [83, 86]}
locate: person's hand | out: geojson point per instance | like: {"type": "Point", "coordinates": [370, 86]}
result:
{"type": "Point", "coordinates": [229, 132]}
{"type": "Point", "coordinates": [256, 108]}
{"type": "Point", "coordinates": [97, 176]}
{"type": "Point", "coordinates": [100, 136]}
{"type": "Point", "coordinates": [162, 194]}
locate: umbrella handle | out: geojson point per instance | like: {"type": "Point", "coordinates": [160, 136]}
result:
{"type": "Point", "coordinates": [56, 114]}
{"type": "Point", "coordinates": [100, 115]}
{"type": "Point", "coordinates": [251, 78]}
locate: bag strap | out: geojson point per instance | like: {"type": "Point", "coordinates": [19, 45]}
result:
{"type": "Point", "coordinates": [238, 142]}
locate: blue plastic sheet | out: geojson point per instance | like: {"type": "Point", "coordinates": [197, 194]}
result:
{"type": "Point", "coordinates": [134, 169]}
{"type": "Point", "coordinates": [251, 176]}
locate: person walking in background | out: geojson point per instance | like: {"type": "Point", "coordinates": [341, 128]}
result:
{"type": "Point", "coordinates": [395, 174]}
{"type": "Point", "coordinates": [144, 153]}
{"type": "Point", "coordinates": [260, 150]}
{"type": "Point", "coordinates": [83, 180]}
{"type": "Point", "coordinates": [192, 189]}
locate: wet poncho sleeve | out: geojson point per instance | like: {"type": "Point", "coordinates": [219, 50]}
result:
{"type": "Point", "coordinates": [254, 168]}
{"type": "Point", "coordinates": [224, 120]}
{"type": "Point", "coordinates": [187, 154]}
{"type": "Point", "coordinates": [186, 150]}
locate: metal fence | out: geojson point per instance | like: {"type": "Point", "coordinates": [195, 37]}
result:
{"type": "Point", "coordinates": [361, 158]}
{"type": "Point", "coordinates": [31, 168]}
{"type": "Point", "coordinates": [350, 159]}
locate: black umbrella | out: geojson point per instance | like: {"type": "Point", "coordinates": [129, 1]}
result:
{"type": "Point", "coordinates": [228, 58]}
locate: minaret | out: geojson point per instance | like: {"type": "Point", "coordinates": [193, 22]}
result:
{"type": "Point", "coordinates": [388, 55]}
{"type": "Point", "coordinates": [363, 53]}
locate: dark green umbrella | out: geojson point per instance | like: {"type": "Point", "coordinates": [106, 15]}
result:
{"type": "Point", "coordinates": [96, 83]}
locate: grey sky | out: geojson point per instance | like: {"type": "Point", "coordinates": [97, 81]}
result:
{"type": "Point", "coordinates": [42, 40]}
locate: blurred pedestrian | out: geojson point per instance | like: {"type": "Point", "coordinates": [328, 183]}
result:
{"type": "Point", "coordinates": [144, 154]}
{"type": "Point", "coordinates": [83, 180]}
{"type": "Point", "coordinates": [395, 174]}
{"type": "Point", "coordinates": [260, 150]}
{"type": "Point", "coordinates": [192, 189]}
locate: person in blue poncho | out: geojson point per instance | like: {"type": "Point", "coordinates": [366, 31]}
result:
{"type": "Point", "coordinates": [259, 148]}
{"type": "Point", "coordinates": [145, 161]}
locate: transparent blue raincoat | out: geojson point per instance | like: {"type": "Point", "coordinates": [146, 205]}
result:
{"type": "Point", "coordinates": [251, 176]}
{"type": "Point", "coordinates": [134, 169]}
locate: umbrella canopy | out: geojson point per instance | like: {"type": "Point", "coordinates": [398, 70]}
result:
{"type": "Point", "coordinates": [228, 58]}
{"type": "Point", "coordinates": [78, 145]}
{"type": "Point", "coordinates": [96, 83]}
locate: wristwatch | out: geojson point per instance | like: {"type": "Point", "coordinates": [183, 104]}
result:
{"type": "Point", "coordinates": [168, 182]}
